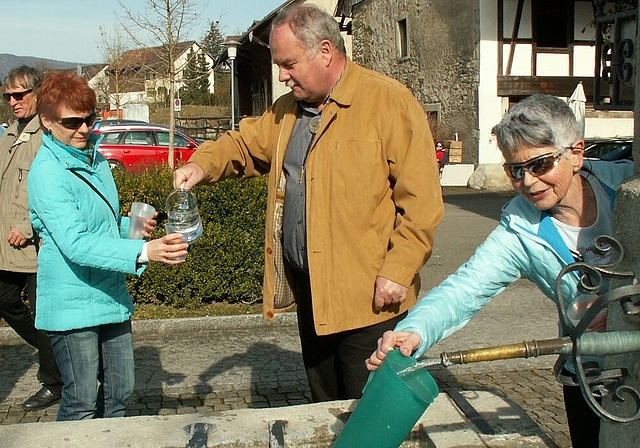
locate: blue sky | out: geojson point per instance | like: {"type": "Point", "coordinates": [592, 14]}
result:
{"type": "Point", "coordinates": [68, 30]}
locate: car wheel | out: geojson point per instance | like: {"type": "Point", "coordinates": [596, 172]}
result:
{"type": "Point", "coordinates": [115, 165]}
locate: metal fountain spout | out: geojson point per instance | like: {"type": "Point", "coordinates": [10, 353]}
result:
{"type": "Point", "coordinates": [594, 344]}
{"type": "Point", "coordinates": [594, 280]}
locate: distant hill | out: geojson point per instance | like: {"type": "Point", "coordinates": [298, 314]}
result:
{"type": "Point", "coordinates": [9, 61]}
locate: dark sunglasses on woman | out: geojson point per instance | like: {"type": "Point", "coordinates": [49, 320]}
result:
{"type": "Point", "coordinates": [74, 123]}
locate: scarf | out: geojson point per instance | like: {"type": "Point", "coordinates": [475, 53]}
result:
{"type": "Point", "coordinates": [86, 155]}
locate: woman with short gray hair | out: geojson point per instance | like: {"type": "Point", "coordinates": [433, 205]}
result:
{"type": "Point", "coordinates": [564, 203]}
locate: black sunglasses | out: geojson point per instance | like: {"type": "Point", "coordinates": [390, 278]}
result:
{"type": "Point", "coordinates": [75, 122]}
{"type": "Point", "coordinates": [18, 96]}
{"type": "Point", "coordinates": [537, 166]}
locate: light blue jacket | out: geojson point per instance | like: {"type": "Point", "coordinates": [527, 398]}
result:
{"type": "Point", "coordinates": [525, 244]}
{"type": "Point", "coordinates": [84, 254]}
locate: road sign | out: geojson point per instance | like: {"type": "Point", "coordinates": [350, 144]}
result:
{"type": "Point", "coordinates": [177, 105]}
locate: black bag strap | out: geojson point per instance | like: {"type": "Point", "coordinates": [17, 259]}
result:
{"type": "Point", "coordinates": [84, 179]}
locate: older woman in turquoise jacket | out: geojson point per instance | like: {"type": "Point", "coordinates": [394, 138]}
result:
{"type": "Point", "coordinates": [83, 303]}
{"type": "Point", "coordinates": [565, 202]}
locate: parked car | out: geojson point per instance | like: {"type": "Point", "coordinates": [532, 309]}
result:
{"type": "Point", "coordinates": [139, 145]}
{"type": "Point", "coordinates": [609, 148]}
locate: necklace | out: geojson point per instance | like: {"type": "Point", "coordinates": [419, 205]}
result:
{"type": "Point", "coordinates": [314, 125]}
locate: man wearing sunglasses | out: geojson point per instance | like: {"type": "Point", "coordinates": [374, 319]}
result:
{"type": "Point", "coordinates": [18, 242]}
{"type": "Point", "coordinates": [565, 202]}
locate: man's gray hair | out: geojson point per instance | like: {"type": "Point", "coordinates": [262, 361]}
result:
{"type": "Point", "coordinates": [24, 76]}
{"type": "Point", "coordinates": [536, 122]}
{"type": "Point", "coordinates": [311, 25]}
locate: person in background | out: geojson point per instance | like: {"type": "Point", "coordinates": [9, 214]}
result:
{"type": "Point", "coordinates": [353, 198]}
{"type": "Point", "coordinates": [83, 303]}
{"type": "Point", "coordinates": [564, 203]}
{"type": "Point", "coordinates": [441, 157]}
{"type": "Point", "coordinates": [19, 243]}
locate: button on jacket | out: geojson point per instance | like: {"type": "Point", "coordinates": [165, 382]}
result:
{"type": "Point", "coordinates": [16, 154]}
{"type": "Point", "coordinates": [373, 196]}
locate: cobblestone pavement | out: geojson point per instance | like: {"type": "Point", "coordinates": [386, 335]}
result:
{"type": "Point", "coordinates": [207, 372]}
{"type": "Point", "coordinates": [260, 366]}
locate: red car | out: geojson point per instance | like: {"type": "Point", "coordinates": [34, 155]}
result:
{"type": "Point", "coordinates": [138, 145]}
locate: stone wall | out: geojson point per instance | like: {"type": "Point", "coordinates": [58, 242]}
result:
{"type": "Point", "coordinates": [443, 63]}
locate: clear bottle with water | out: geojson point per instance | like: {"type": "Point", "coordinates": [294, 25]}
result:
{"type": "Point", "coordinates": [183, 215]}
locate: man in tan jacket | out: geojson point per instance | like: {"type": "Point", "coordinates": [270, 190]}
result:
{"type": "Point", "coordinates": [353, 200]}
{"type": "Point", "coordinates": [18, 243]}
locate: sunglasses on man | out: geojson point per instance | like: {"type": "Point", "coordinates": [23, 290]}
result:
{"type": "Point", "coordinates": [18, 96]}
{"type": "Point", "coordinates": [74, 123]}
{"type": "Point", "coordinates": [538, 166]}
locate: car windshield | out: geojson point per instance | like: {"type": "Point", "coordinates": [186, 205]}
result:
{"type": "Point", "coordinates": [610, 149]}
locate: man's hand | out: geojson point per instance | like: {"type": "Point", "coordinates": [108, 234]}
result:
{"type": "Point", "coordinates": [388, 293]}
{"type": "Point", "coordinates": [187, 176]}
{"type": "Point", "coordinates": [16, 238]}
{"type": "Point", "coordinates": [405, 341]}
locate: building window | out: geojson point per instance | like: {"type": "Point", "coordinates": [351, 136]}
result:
{"type": "Point", "coordinates": [403, 39]}
{"type": "Point", "coordinates": [553, 23]}
{"type": "Point", "coordinates": [433, 112]}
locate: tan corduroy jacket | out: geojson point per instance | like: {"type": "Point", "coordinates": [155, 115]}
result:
{"type": "Point", "coordinates": [373, 195]}
{"type": "Point", "coordinates": [16, 154]}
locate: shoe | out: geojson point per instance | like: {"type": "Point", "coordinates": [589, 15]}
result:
{"type": "Point", "coordinates": [41, 399]}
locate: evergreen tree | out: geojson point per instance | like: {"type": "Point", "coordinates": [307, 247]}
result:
{"type": "Point", "coordinates": [196, 77]}
{"type": "Point", "coordinates": [213, 41]}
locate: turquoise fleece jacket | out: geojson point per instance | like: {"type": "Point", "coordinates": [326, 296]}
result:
{"type": "Point", "coordinates": [85, 256]}
{"type": "Point", "coordinates": [524, 245]}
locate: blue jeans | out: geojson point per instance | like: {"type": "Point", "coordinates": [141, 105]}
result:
{"type": "Point", "coordinates": [97, 367]}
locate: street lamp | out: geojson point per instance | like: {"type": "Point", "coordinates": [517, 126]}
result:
{"type": "Point", "coordinates": [232, 51]}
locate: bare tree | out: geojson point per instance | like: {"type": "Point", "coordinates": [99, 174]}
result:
{"type": "Point", "coordinates": [113, 48]}
{"type": "Point", "coordinates": [164, 23]}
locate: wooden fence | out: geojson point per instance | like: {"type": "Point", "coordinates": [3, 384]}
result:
{"type": "Point", "coordinates": [207, 128]}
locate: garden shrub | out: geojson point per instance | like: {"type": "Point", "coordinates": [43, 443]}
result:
{"type": "Point", "coordinates": [226, 264]}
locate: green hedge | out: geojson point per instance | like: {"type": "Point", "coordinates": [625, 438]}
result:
{"type": "Point", "coordinates": [226, 264]}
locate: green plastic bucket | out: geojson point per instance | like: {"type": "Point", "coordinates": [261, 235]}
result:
{"type": "Point", "coordinates": [390, 406]}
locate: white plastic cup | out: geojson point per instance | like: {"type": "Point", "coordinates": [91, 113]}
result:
{"type": "Point", "coordinates": [140, 214]}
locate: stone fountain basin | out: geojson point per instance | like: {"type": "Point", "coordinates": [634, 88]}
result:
{"type": "Point", "coordinates": [444, 424]}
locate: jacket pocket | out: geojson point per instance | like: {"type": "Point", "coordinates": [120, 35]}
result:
{"type": "Point", "coordinates": [20, 193]}
{"type": "Point", "coordinates": [357, 184]}
{"type": "Point", "coordinates": [358, 165]}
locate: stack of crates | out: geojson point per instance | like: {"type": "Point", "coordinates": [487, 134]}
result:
{"type": "Point", "coordinates": [454, 150]}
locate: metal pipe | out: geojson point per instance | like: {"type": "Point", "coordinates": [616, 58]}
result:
{"type": "Point", "coordinates": [595, 344]}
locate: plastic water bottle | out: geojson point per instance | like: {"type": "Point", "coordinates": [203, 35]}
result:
{"type": "Point", "coordinates": [183, 214]}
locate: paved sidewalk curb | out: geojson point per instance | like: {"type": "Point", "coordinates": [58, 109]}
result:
{"type": "Point", "coordinates": [152, 327]}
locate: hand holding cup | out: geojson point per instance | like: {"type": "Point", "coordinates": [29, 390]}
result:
{"type": "Point", "coordinates": [169, 249]}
